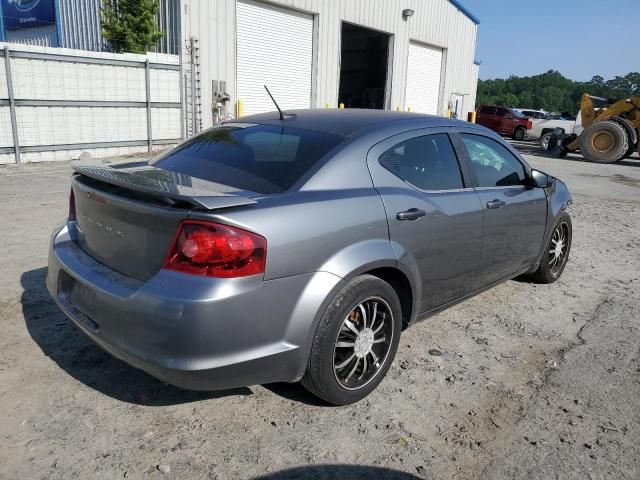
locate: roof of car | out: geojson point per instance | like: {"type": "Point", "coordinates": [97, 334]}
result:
{"type": "Point", "coordinates": [343, 122]}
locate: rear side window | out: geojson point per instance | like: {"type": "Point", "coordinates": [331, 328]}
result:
{"type": "Point", "coordinates": [488, 110]}
{"type": "Point", "coordinates": [258, 158]}
{"type": "Point", "coordinates": [495, 166]}
{"type": "Point", "coordinates": [428, 163]}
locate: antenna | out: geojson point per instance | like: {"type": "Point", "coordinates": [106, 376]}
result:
{"type": "Point", "coordinates": [275, 103]}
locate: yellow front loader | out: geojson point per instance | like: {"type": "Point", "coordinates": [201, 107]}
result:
{"type": "Point", "coordinates": [610, 134]}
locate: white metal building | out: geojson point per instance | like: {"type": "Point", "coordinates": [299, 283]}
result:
{"type": "Point", "coordinates": [392, 54]}
{"type": "Point", "coordinates": [407, 54]}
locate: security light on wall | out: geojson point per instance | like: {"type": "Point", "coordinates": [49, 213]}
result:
{"type": "Point", "coordinates": [406, 13]}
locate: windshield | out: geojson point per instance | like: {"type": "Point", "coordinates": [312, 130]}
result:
{"type": "Point", "coordinates": [258, 158]}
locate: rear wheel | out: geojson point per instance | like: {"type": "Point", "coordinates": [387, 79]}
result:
{"type": "Point", "coordinates": [519, 133]}
{"type": "Point", "coordinates": [556, 252]}
{"type": "Point", "coordinates": [355, 343]}
{"type": "Point", "coordinates": [604, 142]}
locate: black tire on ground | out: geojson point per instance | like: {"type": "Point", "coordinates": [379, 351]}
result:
{"type": "Point", "coordinates": [320, 377]}
{"type": "Point", "coordinates": [519, 133]}
{"type": "Point", "coordinates": [604, 142]}
{"type": "Point", "coordinates": [548, 271]}
{"type": "Point", "coordinates": [631, 151]}
{"type": "Point", "coordinates": [545, 141]}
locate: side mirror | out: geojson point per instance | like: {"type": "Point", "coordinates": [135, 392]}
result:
{"type": "Point", "coordinates": [539, 179]}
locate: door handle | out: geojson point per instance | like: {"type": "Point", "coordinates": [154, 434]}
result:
{"type": "Point", "coordinates": [495, 204]}
{"type": "Point", "coordinates": [411, 214]}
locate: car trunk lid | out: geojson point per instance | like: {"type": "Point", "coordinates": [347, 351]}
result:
{"type": "Point", "coordinates": [127, 215]}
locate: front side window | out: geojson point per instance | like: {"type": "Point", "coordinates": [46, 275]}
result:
{"type": "Point", "coordinates": [428, 163]}
{"type": "Point", "coordinates": [488, 110]}
{"type": "Point", "coordinates": [495, 166]}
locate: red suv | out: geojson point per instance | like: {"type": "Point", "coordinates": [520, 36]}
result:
{"type": "Point", "coordinates": [503, 120]}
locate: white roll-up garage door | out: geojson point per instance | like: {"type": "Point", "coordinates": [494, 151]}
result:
{"type": "Point", "coordinates": [274, 48]}
{"type": "Point", "coordinates": [423, 78]}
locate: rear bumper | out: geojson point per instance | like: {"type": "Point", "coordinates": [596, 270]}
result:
{"type": "Point", "coordinates": [193, 332]}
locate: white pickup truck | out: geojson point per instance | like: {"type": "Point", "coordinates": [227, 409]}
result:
{"type": "Point", "coordinates": [543, 125]}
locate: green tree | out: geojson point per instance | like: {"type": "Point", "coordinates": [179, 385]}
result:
{"type": "Point", "coordinates": [552, 91]}
{"type": "Point", "coordinates": [131, 25]}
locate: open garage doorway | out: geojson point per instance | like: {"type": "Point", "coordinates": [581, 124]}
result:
{"type": "Point", "coordinates": [363, 67]}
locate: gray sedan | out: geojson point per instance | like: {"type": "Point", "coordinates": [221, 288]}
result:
{"type": "Point", "coordinates": [298, 249]}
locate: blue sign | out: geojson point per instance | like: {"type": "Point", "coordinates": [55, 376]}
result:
{"type": "Point", "coordinates": [27, 13]}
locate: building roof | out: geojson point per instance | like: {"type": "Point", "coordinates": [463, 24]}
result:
{"type": "Point", "coordinates": [344, 122]}
{"type": "Point", "coordinates": [464, 10]}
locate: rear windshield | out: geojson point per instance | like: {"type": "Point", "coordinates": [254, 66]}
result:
{"type": "Point", "coordinates": [258, 158]}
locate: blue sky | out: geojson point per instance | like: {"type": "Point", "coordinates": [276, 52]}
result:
{"type": "Point", "coordinates": [579, 38]}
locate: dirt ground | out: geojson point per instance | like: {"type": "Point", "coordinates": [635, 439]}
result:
{"type": "Point", "coordinates": [533, 381]}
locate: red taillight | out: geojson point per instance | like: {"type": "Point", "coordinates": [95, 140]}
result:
{"type": "Point", "coordinates": [72, 207]}
{"type": "Point", "coordinates": [215, 250]}
{"type": "Point", "coordinates": [529, 124]}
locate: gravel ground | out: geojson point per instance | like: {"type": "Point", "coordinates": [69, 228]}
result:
{"type": "Point", "coordinates": [533, 381]}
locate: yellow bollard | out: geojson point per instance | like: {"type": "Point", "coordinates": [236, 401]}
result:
{"type": "Point", "coordinates": [408, 109]}
{"type": "Point", "coordinates": [341, 106]}
{"type": "Point", "coordinates": [471, 117]}
{"type": "Point", "coordinates": [239, 108]}
{"type": "Point", "coordinates": [398, 109]}
{"type": "Point", "coordinates": [326, 105]}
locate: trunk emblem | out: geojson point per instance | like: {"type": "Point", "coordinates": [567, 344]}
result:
{"type": "Point", "coordinates": [101, 226]}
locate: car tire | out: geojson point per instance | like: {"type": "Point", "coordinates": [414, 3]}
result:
{"type": "Point", "coordinates": [519, 133]}
{"type": "Point", "coordinates": [338, 372]}
{"type": "Point", "coordinates": [545, 140]}
{"type": "Point", "coordinates": [604, 142]}
{"type": "Point", "coordinates": [555, 259]}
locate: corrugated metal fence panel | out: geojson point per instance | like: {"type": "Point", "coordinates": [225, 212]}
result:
{"type": "Point", "coordinates": [274, 48]}
{"type": "Point", "coordinates": [80, 24]}
{"type": "Point", "coordinates": [169, 23]}
{"type": "Point", "coordinates": [423, 78]}
{"type": "Point", "coordinates": [45, 36]}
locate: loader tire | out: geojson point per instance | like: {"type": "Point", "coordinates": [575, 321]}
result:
{"type": "Point", "coordinates": [631, 151]}
{"type": "Point", "coordinates": [604, 142]}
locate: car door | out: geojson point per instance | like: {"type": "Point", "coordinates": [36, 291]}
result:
{"type": "Point", "coordinates": [515, 213]}
{"type": "Point", "coordinates": [487, 117]}
{"type": "Point", "coordinates": [504, 121]}
{"type": "Point", "coordinates": [435, 217]}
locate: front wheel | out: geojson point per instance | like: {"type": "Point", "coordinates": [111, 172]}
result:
{"type": "Point", "coordinates": [545, 139]}
{"type": "Point", "coordinates": [556, 252]}
{"type": "Point", "coordinates": [355, 342]}
{"type": "Point", "coordinates": [604, 142]}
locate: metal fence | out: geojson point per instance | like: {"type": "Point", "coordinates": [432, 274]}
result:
{"type": "Point", "coordinates": [14, 102]}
